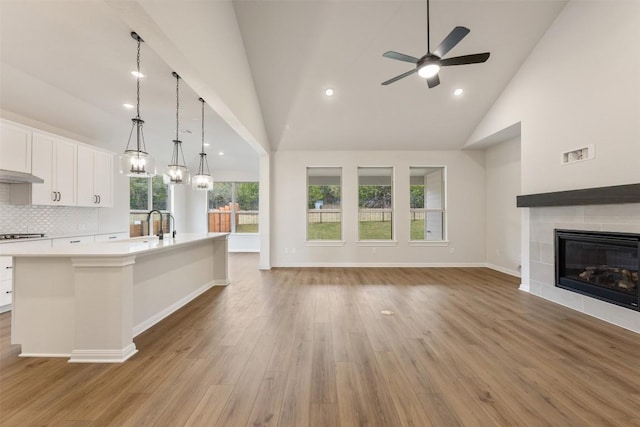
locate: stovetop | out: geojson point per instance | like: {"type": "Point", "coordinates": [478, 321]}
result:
{"type": "Point", "coordinates": [16, 236]}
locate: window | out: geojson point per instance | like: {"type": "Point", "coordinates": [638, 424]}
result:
{"type": "Point", "coordinates": [146, 194]}
{"type": "Point", "coordinates": [324, 206]}
{"type": "Point", "coordinates": [426, 203]}
{"type": "Point", "coordinates": [375, 204]}
{"type": "Point", "coordinates": [233, 207]}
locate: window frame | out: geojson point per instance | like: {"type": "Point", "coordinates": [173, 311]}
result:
{"type": "Point", "coordinates": [445, 232]}
{"type": "Point", "coordinates": [377, 242]}
{"type": "Point", "coordinates": [233, 212]}
{"type": "Point", "coordinates": [324, 242]}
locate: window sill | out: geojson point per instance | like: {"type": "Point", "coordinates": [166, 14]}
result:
{"type": "Point", "coordinates": [377, 243]}
{"type": "Point", "coordinates": [324, 243]}
{"type": "Point", "coordinates": [428, 243]}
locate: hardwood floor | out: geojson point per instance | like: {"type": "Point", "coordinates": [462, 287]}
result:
{"type": "Point", "coordinates": [310, 347]}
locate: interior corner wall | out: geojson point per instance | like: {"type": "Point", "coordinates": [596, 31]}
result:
{"type": "Point", "coordinates": [568, 95]}
{"type": "Point", "coordinates": [465, 206]}
{"type": "Point", "coordinates": [503, 218]}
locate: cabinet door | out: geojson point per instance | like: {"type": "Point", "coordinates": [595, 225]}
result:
{"type": "Point", "coordinates": [103, 182]}
{"type": "Point", "coordinates": [86, 176]}
{"type": "Point", "coordinates": [15, 147]}
{"type": "Point", "coordinates": [42, 166]}
{"type": "Point", "coordinates": [65, 171]}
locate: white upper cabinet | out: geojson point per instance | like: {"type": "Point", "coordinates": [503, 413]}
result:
{"type": "Point", "coordinates": [95, 177]}
{"type": "Point", "coordinates": [15, 147]}
{"type": "Point", "coordinates": [54, 159]}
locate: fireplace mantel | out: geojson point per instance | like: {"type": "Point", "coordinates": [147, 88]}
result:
{"type": "Point", "coordinates": [611, 195]}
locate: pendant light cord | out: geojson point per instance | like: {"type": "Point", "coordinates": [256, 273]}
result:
{"type": "Point", "coordinates": [138, 83]}
{"type": "Point", "coordinates": [177, 105]}
{"type": "Point", "coordinates": [202, 148]}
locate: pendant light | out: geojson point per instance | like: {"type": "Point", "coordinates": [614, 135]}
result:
{"type": "Point", "coordinates": [137, 162]}
{"type": "Point", "coordinates": [177, 172]}
{"type": "Point", "coordinates": [202, 180]}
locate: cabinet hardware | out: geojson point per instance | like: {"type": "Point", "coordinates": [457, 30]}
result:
{"type": "Point", "coordinates": [111, 237]}
{"type": "Point", "coordinates": [99, 199]}
{"type": "Point", "coordinates": [74, 241]}
{"type": "Point", "coordinates": [9, 292]}
{"type": "Point", "coordinates": [9, 268]}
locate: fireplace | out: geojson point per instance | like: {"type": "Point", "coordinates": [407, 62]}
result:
{"type": "Point", "coordinates": [599, 264]}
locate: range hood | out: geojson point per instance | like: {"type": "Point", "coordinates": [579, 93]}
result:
{"type": "Point", "coordinates": [13, 177]}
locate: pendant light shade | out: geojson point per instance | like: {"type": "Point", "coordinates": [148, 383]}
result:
{"type": "Point", "coordinates": [202, 180]}
{"type": "Point", "coordinates": [177, 172]}
{"type": "Point", "coordinates": [136, 161]}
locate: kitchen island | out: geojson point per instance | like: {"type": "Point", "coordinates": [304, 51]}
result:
{"type": "Point", "coordinates": [88, 302]}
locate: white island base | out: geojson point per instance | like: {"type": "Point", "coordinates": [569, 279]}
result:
{"type": "Point", "coordinates": [89, 302]}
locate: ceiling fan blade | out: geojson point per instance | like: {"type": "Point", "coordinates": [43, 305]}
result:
{"type": "Point", "coordinates": [449, 42]}
{"type": "Point", "coordinates": [466, 59]}
{"type": "Point", "coordinates": [401, 76]}
{"type": "Point", "coordinates": [433, 81]}
{"type": "Point", "coordinates": [400, 57]}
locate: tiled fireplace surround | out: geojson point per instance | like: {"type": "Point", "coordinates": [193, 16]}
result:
{"type": "Point", "coordinates": [541, 278]}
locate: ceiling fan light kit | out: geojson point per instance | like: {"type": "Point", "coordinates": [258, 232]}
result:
{"type": "Point", "coordinates": [137, 162]}
{"type": "Point", "coordinates": [428, 66]}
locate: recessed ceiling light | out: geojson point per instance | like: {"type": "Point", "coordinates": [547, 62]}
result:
{"type": "Point", "coordinates": [137, 74]}
{"type": "Point", "coordinates": [458, 92]}
{"type": "Point", "coordinates": [329, 92]}
{"type": "Point", "coordinates": [128, 106]}
{"type": "Point", "coordinates": [220, 153]}
{"type": "Point", "coordinates": [206, 144]}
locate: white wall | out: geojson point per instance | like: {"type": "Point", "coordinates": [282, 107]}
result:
{"type": "Point", "coordinates": [579, 86]}
{"type": "Point", "coordinates": [465, 210]}
{"type": "Point", "coordinates": [502, 185]}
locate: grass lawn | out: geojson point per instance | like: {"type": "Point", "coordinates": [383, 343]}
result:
{"type": "Point", "coordinates": [247, 228]}
{"type": "Point", "coordinates": [370, 230]}
{"type": "Point", "coordinates": [323, 231]}
{"type": "Point", "coordinates": [417, 229]}
{"type": "Point", "coordinates": [374, 230]}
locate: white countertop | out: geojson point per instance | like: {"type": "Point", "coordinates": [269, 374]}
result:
{"type": "Point", "coordinates": [134, 246]}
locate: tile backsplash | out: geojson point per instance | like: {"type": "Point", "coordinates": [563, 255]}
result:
{"type": "Point", "coordinates": [51, 220]}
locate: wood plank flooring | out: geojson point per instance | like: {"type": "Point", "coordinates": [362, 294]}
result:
{"type": "Point", "coordinates": [310, 347]}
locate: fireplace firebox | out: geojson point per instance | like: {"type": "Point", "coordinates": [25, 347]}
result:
{"type": "Point", "coordinates": [601, 265]}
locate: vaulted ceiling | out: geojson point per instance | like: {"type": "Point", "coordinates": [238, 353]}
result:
{"type": "Point", "coordinates": [67, 63]}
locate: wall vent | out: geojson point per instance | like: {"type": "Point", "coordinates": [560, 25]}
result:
{"type": "Point", "coordinates": [578, 154]}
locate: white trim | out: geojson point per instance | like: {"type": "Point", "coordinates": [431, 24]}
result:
{"type": "Point", "coordinates": [103, 356]}
{"type": "Point", "coordinates": [503, 270]}
{"type": "Point", "coordinates": [143, 326]}
{"type": "Point", "coordinates": [88, 262]}
{"type": "Point", "coordinates": [383, 264]}
{"type": "Point", "coordinates": [241, 251]}
{"type": "Point", "coordinates": [524, 287]}
{"type": "Point", "coordinates": [419, 243]}
{"type": "Point", "coordinates": [226, 282]}
{"type": "Point", "coordinates": [377, 243]}
{"type": "Point", "coordinates": [43, 355]}
{"type": "Point", "coordinates": [324, 243]}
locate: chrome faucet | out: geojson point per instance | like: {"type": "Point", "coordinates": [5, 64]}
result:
{"type": "Point", "coordinates": [160, 232]}
{"type": "Point", "coordinates": [171, 220]}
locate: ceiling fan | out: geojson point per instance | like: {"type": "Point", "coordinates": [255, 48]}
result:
{"type": "Point", "coordinates": [429, 65]}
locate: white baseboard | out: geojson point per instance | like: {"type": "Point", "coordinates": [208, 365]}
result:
{"type": "Point", "coordinates": [381, 264]}
{"type": "Point", "coordinates": [43, 355]}
{"type": "Point", "coordinates": [141, 327]}
{"type": "Point", "coordinates": [103, 356]}
{"type": "Point", "coordinates": [503, 270]}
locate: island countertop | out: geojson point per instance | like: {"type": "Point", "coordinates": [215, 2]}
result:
{"type": "Point", "coordinates": [134, 246]}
